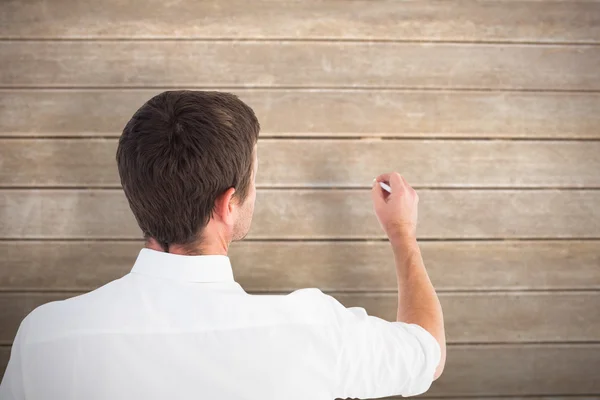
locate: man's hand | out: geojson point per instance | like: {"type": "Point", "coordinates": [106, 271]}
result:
{"type": "Point", "coordinates": [396, 212]}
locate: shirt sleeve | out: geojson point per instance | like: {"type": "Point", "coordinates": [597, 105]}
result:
{"type": "Point", "coordinates": [379, 358]}
{"type": "Point", "coordinates": [12, 386]}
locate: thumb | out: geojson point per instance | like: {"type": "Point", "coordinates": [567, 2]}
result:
{"type": "Point", "coordinates": [377, 194]}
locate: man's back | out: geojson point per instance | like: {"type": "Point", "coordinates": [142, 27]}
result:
{"type": "Point", "coordinates": [180, 327]}
{"type": "Point", "coordinates": [145, 336]}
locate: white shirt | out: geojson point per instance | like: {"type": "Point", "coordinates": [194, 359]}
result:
{"type": "Point", "coordinates": [180, 327]}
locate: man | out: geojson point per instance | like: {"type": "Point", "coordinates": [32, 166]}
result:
{"type": "Point", "coordinates": [178, 326]}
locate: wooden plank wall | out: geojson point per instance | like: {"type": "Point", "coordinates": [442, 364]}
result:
{"type": "Point", "coordinates": [490, 109]}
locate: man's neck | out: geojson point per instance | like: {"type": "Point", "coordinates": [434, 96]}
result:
{"type": "Point", "coordinates": [218, 247]}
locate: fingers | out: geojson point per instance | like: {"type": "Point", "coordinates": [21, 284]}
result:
{"type": "Point", "coordinates": [405, 186]}
{"type": "Point", "coordinates": [397, 182]}
{"type": "Point", "coordinates": [383, 178]}
{"type": "Point", "coordinates": [377, 193]}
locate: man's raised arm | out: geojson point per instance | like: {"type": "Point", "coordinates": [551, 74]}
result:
{"type": "Point", "coordinates": [417, 301]}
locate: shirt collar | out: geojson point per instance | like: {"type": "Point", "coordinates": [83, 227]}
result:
{"type": "Point", "coordinates": [208, 268]}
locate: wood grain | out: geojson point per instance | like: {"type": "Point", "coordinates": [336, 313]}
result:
{"type": "Point", "coordinates": [504, 370]}
{"type": "Point", "coordinates": [512, 370]}
{"type": "Point", "coordinates": [521, 314]}
{"type": "Point", "coordinates": [324, 113]}
{"type": "Point", "coordinates": [502, 317]}
{"type": "Point", "coordinates": [524, 21]}
{"type": "Point", "coordinates": [298, 64]}
{"type": "Point", "coordinates": [332, 266]}
{"type": "Point", "coordinates": [468, 317]}
{"type": "Point", "coordinates": [330, 163]}
{"type": "Point", "coordinates": [318, 214]}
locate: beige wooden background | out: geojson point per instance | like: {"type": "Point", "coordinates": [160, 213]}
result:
{"type": "Point", "coordinates": [490, 109]}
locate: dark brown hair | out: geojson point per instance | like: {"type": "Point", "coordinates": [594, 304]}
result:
{"type": "Point", "coordinates": [178, 153]}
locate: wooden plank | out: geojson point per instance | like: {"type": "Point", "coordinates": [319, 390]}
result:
{"type": "Point", "coordinates": [517, 370]}
{"type": "Point", "coordinates": [59, 162]}
{"type": "Point", "coordinates": [333, 266]}
{"type": "Point", "coordinates": [528, 21]}
{"type": "Point", "coordinates": [318, 214]}
{"type": "Point", "coordinates": [502, 317]}
{"type": "Point", "coordinates": [324, 113]}
{"type": "Point", "coordinates": [327, 163]}
{"type": "Point", "coordinates": [512, 370]}
{"type": "Point", "coordinates": [469, 317]}
{"type": "Point", "coordinates": [298, 64]}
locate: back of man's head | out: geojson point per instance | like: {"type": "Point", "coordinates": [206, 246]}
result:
{"type": "Point", "coordinates": [178, 153]}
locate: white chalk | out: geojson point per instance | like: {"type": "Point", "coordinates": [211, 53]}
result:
{"type": "Point", "coordinates": [385, 187]}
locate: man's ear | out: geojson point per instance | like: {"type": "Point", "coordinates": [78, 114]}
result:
{"type": "Point", "coordinates": [224, 205]}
